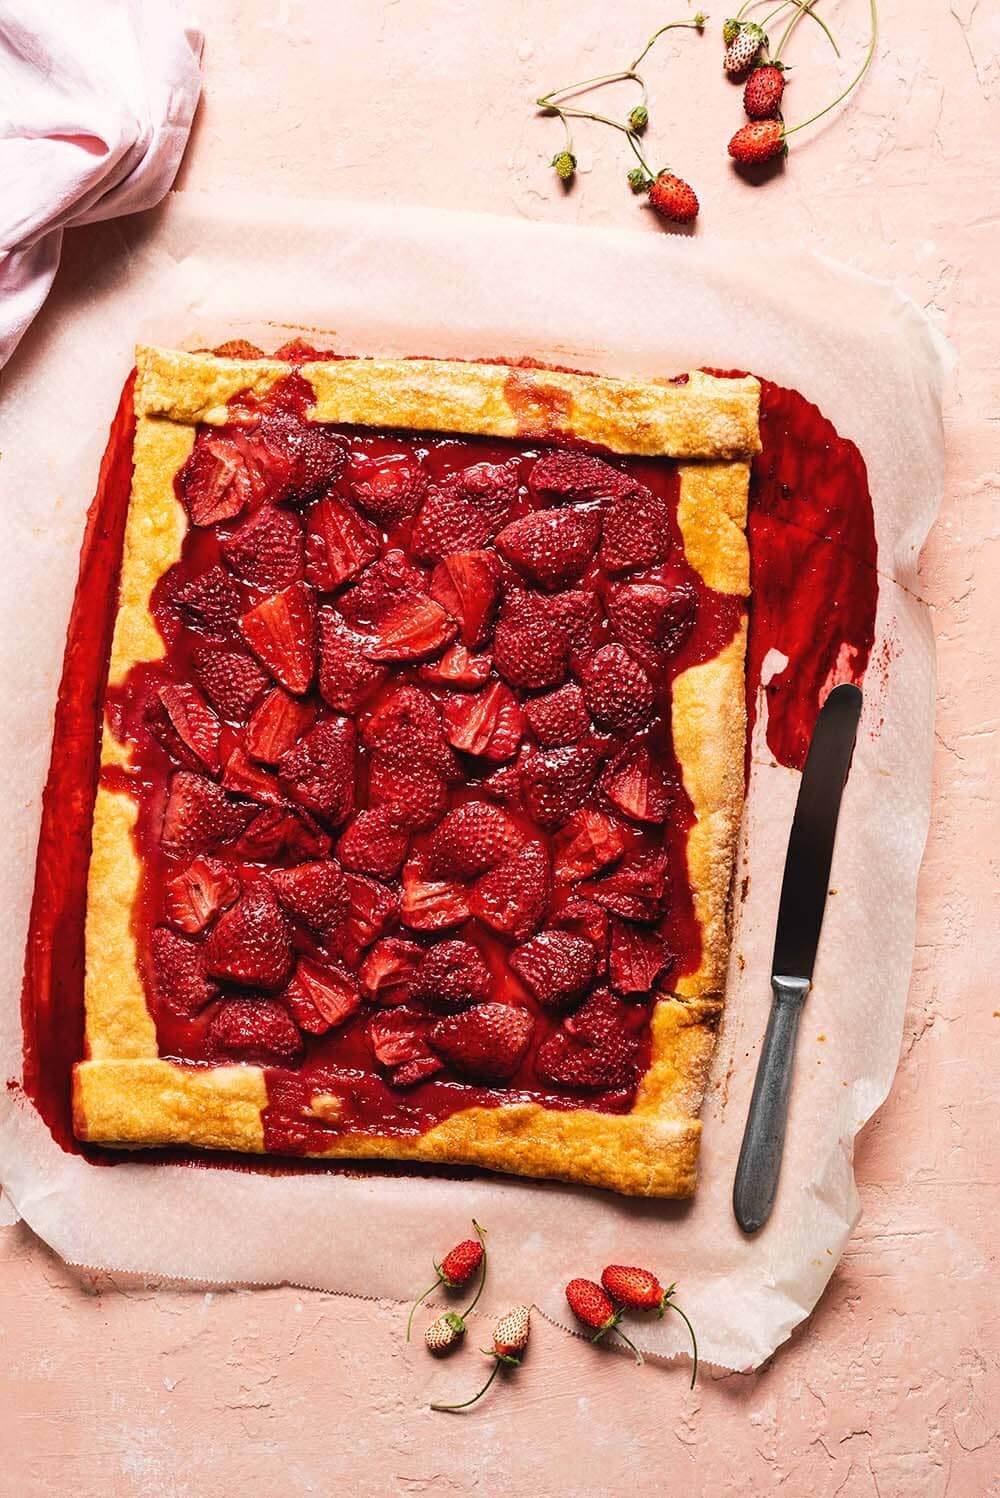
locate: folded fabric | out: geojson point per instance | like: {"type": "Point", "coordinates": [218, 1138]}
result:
{"type": "Point", "coordinates": [96, 104]}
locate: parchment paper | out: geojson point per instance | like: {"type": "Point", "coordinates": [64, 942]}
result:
{"type": "Point", "coordinates": [199, 271]}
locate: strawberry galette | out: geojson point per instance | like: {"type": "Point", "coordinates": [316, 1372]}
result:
{"type": "Point", "coordinates": [422, 765]}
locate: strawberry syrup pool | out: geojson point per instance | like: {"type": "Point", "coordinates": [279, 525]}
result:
{"type": "Point", "coordinates": [814, 584]}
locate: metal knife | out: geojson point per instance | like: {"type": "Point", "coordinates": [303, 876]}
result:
{"type": "Point", "coordinates": [800, 919]}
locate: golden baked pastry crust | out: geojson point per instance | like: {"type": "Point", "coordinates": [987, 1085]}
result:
{"type": "Point", "coordinates": [123, 1093]}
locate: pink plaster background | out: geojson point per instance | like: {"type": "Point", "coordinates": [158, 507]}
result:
{"type": "Point", "coordinates": [892, 1388]}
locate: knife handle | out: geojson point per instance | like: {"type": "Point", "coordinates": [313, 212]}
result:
{"type": "Point", "coordinates": [764, 1138]}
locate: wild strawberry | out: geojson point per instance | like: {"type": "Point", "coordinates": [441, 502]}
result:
{"type": "Point", "coordinates": [412, 630]}
{"type": "Point", "coordinates": [555, 967]}
{"type": "Point", "coordinates": [250, 942]}
{"type": "Point", "coordinates": [451, 975]}
{"type": "Point", "coordinates": [444, 1332]}
{"type": "Point", "coordinates": [319, 771]}
{"type": "Point", "coordinates": [458, 668]}
{"type": "Point", "coordinates": [558, 718]}
{"type": "Point", "coordinates": [321, 998]}
{"type": "Point", "coordinates": [244, 778]}
{"type": "Point", "coordinates": [673, 198]}
{"type": "Point", "coordinates": [199, 816]}
{"type": "Point", "coordinates": [510, 1338]}
{"type": "Point", "coordinates": [211, 602]}
{"type": "Point", "coordinates": [558, 477]}
{"type": "Point", "coordinates": [487, 1042]}
{"type": "Point", "coordinates": [640, 1290]}
{"type": "Point", "coordinates": [253, 1030]}
{"type": "Point", "coordinates": [195, 897]}
{"type": "Point", "coordinates": [763, 90]}
{"type": "Point", "coordinates": [648, 616]}
{"type": "Point", "coordinates": [637, 958]}
{"type": "Point", "coordinates": [589, 841]}
{"type": "Point", "coordinates": [455, 1271]}
{"type": "Point", "coordinates": [617, 691]}
{"type": "Point", "coordinates": [388, 487]}
{"type": "Point", "coordinates": [595, 1050]}
{"type": "Point", "coordinates": [266, 551]}
{"type": "Point", "coordinates": [636, 532]}
{"type": "Point", "coordinates": [743, 49]}
{"type": "Point", "coordinates": [179, 977]}
{"type": "Point", "coordinates": [512, 899]}
{"type": "Point", "coordinates": [551, 547]}
{"type": "Point", "coordinates": [339, 544]}
{"type": "Point", "coordinates": [467, 584]}
{"type": "Point", "coordinates": [347, 678]}
{"type": "Point", "coordinates": [277, 722]}
{"type": "Point", "coordinates": [564, 163]}
{"type": "Point", "coordinates": [487, 724]}
{"type": "Point", "coordinates": [430, 904]}
{"type": "Point", "coordinates": [591, 1305]}
{"type": "Point", "coordinates": [186, 726]}
{"type": "Point", "coordinates": [388, 971]}
{"type": "Point", "coordinates": [636, 785]}
{"type": "Point", "coordinates": [472, 839]}
{"type": "Point", "coordinates": [281, 632]}
{"type": "Point", "coordinates": [556, 782]}
{"type": "Point", "coordinates": [231, 680]}
{"type": "Point", "coordinates": [315, 893]}
{"type": "Point", "coordinates": [372, 844]}
{"type": "Point", "coordinates": [759, 141]}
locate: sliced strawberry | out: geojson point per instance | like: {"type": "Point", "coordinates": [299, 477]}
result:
{"type": "Point", "coordinates": [229, 469]}
{"type": "Point", "coordinates": [316, 893]}
{"type": "Point", "coordinates": [398, 1036]}
{"type": "Point", "coordinates": [277, 723]}
{"type": "Point", "coordinates": [250, 942]}
{"type": "Point", "coordinates": [314, 455]}
{"type": "Point", "coordinates": [514, 897]}
{"type": "Point", "coordinates": [415, 797]}
{"type": "Point", "coordinates": [488, 724]}
{"type": "Point", "coordinates": [594, 1051]}
{"type": "Point", "coordinates": [321, 998]}
{"type": "Point", "coordinates": [452, 975]}
{"type": "Point", "coordinates": [231, 680]}
{"type": "Point", "coordinates": [245, 778]}
{"type": "Point", "coordinates": [637, 786]}
{"type": "Point", "coordinates": [488, 1041]}
{"type": "Point", "coordinates": [589, 841]}
{"type": "Point", "coordinates": [556, 967]}
{"type": "Point", "coordinates": [412, 630]}
{"type": "Point", "coordinates": [417, 1070]}
{"type": "Point", "coordinates": [558, 477]}
{"type": "Point", "coordinates": [372, 844]}
{"type": "Point", "coordinates": [589, 920]}
{"type": "Point", "coordinates": [551, 548]}
{"type": "Point", "coordinates": [637, 957]}
{"type": "Point", "coordinates": [648, 616]}
{"type": "Point", "coordinates": [279, 832]}
{"type": "Point", "coordinates": [266, 551]}
{"type": "Point", "coordinates": [388, 971]}
{"type": "Point", "coordinates": [211, 602]}
{"type": "Point", "coordinates": [346, 676]}
{"type": "Point", "coordinates": [372, 907]}
{"type": "Point", "coordinates": [281, 632]}
{"type": "Point", "coordinates": [406, 728]}
{"type": "Point", "coordinates": [254, 1030]}
{"type": "Point", "coordinates": [636, 532]}
{"type": "Point", "coordinates": [558, 718]}
{"type": "Point", "coordinates": [617, 690]}
{"type": "Point", "coordinates": [472, 839]}
{"type": "Point", "coordinates": [179, 976]}
{"type": "Point", "coordinates": [637, 892]}
{"type": "Point", "coordinates": [448, 522]}
{"type": "Point", "coordinates": [339, 543]}
{"type": "Point", "coordinates": [185, 726]}
{"type": "Point", "coordinates": [195, 897]}
{"type": "Point", "coordinates": [199, 816]}
{"type": "Point", "coordinates": [457, 668]}
{"type": "Point", "coordinates": [431, 904]}
{"type": "Point", "coordinates": [531, 652]}
{"type": "Point", "coordinates": [388, 487]}
{"type": "Point", "coordinates": [467, 584]}
{"type": "Point", "coordinates": [384, 584]}
{"type": "Point", "coordinates": [319, 771]}
{"type": "Point", "coordinates": [555, 783]}
{"type": "Point", "coordinates": [504, 785]}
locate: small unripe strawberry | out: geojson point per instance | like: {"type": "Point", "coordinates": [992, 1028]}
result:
{"type": "Point", "coordinates": [565, 165]}
{"type": "Point", "coordinates": [763, 90]}
{"type": "Point", "coordinates": [730, 31]}
{"type": "Point", "coordinates": [637, 179]}
{"type": "Point", "coordinates": [638, 119]}
{"type": "Point", "coordinates": [510, 1335]}
{"type": "Point", "coordinates": [455, 1270]}
{"type": "Point", "coordinates": [757, 142]}
{"type": "Point", "coordinates": [673, 198]}
{"type": "Point", "coordinates": [591, 1305]}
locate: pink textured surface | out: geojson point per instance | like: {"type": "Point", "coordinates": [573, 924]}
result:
{"type": "Point", "coordinates": [892, 1388]}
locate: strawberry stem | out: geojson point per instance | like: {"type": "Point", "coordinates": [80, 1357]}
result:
{"type": "Point", "coordinates": [572, 88]}
{"type": "Point", "coordinates": [466, 1402]}
{"type": "Point", "coordinates": [694, 1339]}
{"type": "Point", "coordinates": [803, 8]}
{"type": "Point", "coordinates": [696, 23]}
{"type": "Point", "coordinates": [481, 1235]}
{"type": "Point", "coordinates": [854, 81]}
{"type": "Point", "coordinates": [628, 1341]}
{"type": "Point", "coordinates": [419, 1301]}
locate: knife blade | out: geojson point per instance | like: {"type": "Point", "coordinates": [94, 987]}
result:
{"type": "Point", "coordinates": [804, 888]}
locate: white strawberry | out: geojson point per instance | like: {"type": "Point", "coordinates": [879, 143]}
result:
{"type": "Point", "coordinates": [510, 1338]}
{"type": "Point", "coordinates": [743, 51]}
{"type": "Point", "coordinates": [444, 1332]}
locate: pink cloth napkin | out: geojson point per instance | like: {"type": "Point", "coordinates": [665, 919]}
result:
{"type": "Point", "coordinates": [96, 103]}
